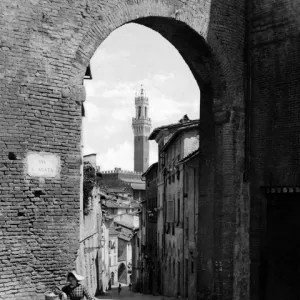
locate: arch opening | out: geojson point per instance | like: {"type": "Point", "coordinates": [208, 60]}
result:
{"type": "Point", "coordinates": [207, 72]}
{"type": "Point", "coordinates": [122, 273]}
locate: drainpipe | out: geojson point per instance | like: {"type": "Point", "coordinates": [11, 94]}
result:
{"type": "Point", "coordinates": [248, 90]}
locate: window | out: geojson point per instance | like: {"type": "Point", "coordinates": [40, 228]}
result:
{"type": "Point", "coordinates": [173, 229]}
{"type": "Point", "coordinates": [187, 228]}
{"type": "Point", "coordinates": [174, 271]}
{"type": "Point", "coordinates": [174, 207]}
{"type": "Point", "coordinates": [178, 208]}
{"type": "Point", "coordinates": [140, 112]}
{"type": "Point", "coordinates": [170, 211]}
{"type": "Point", "coordinates": [146, 112]}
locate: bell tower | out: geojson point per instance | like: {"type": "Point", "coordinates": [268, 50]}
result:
{"type": "Point", "coordinates": [141, 126]}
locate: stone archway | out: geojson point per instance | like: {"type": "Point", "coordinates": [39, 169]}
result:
{"type": "Point", "coordinates": [42, 101]}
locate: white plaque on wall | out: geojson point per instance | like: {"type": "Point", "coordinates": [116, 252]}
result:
{"type": "Point", "coordinates": [43, 164]}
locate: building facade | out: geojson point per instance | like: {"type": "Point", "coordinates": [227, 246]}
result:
{"type": "Point", "coordinates": [113, 256]}
{"type": "Point", "coordinates": [136, 260]}
{"type": "Point", "coordinates": [89, 259]}
{"type": "Point", "coordinates": [124, 183]}
{"type": "Point", "coordinates": [141, 126]}
{"type": "Point", "coordinates": [189, 168]}
{"type": "Point", "coordinates": [151, 274]}
{"type": "Point", "coordinates": [175, 142]}
{"type": "Point", "coordinates": [166, 241]}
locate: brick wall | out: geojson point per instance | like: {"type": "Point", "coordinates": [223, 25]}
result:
{"type": "Point", "coordinates": [275, 111]}
{"type": "Point", "coordinates": [45, 49]}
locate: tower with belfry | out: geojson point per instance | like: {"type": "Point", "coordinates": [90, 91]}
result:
{"type": "Point", "coordinates": [141, 126]}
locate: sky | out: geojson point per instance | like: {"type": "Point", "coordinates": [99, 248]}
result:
{"type": "Point", "coordinates": [131, 56]}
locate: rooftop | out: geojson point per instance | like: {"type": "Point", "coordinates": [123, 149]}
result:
{"type": "Point", "coordinates": [120, 171]}
{"type": "Point", "coordinates": [138, 186]}
{"type": "Point", "coordinates": [177, 132]}
{"type": "Point", "coordinates": [113, 231]}
{"type": "Point", "coordinates": [150, 168]}
{"type": "Point", "coordinates": [124, 224]}
{"type": "Point", "coordinates": [124, 237]}
{"type": "Point", "coordinates": [114, 204]}
{"type": "Point", "coordinates": [185, 121]}
{"type": "Point", "coordinates": [190, 156]}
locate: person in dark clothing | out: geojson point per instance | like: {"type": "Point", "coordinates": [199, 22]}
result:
{"type": "Point", "coordinates": [119, 288]}
{"type": "Point", "coordinates": [75, 290]}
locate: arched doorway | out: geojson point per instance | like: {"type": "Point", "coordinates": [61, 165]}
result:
{"type": "Point", "coordinates": [122, 273]}
{"type": "Point", "coordinates": [112, 278]}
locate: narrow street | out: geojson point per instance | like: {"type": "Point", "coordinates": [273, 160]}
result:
{"type": "Point", "coordinates": [126, 294]}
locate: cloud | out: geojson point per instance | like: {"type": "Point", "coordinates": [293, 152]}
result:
{"type": "Point", "coordinates": [165, 109]}
{"type": "Point", "coordinates": [87, 149]}
{"type": "Point", "coordinates": [93, 86]}
{"type": "Point", "coordinates": [122, 114]}
{"type": "Point", "coordinates": [121, 156]}
{"type": "Point", "coordinates": [110, 128]}
{"type": "Point", "coordinates": [92, 112]}
{"type": "Point", "coordinates": [123, 90]}
{"type": "Point", "coordinates": [163, 77]}
{"type": "Point", "coordinates": [153, 152]}
{"type": "Point", "coordinates": [103, 56]}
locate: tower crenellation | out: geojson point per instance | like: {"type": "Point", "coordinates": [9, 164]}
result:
{"type": "Point", "coordinates": [141, 125]}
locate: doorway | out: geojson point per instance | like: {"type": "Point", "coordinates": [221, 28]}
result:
{"type": "Point", "coordinates": [283, 248]}
{"type": "Point", "coordinates": [99, 281]}
{"type": "Point", "coordinates": [122, 274]}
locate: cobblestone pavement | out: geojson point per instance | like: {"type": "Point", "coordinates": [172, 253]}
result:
{"type": "Point", "coordinates": [126, 294]}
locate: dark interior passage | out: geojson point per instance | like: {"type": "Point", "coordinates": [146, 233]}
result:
{"type": "Point", "coordinates": [122, 274]}
{"type": "Point", "coordinates": [283, 248]}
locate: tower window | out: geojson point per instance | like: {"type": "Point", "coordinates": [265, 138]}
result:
{"type": "Point", "coordinates": [140, 112]}
{"type": "Point", "coordinates": [146, 112]}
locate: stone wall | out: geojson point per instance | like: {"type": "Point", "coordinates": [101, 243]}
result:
{"type": "Point", "coordinates": [274, 112]}
{"type": "Point", "coordinates": [89, 259]}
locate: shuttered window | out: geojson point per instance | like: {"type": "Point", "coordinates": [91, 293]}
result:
{"type": "Point", "coordinates": [170, 211]}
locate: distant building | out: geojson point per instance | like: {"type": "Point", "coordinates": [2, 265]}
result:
{"type": "Point", "coordinates": [124, 251]}
{"type": "Point", "coordinates": [141, 126]}
{"type": "Point", "coordinates": [91, 158]}
{"type": "Point", "coordinates": [124, 183]}
{"type": "Point", "coordinates": [152, 268]}
{"type": "Point", "coordinates": [113, 256]}
{"type": "Point", "coordinates": [90, 253]}
{"type": "Point", "coordinates": [136, 260]}
{"type": "Point", "coordinates": [189, 168]}
{"type": "Point", "coordinates": [121, 217]}
{"type": "Point", "coordinates": [175, 142]}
